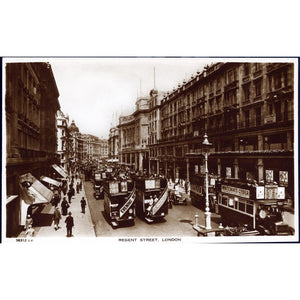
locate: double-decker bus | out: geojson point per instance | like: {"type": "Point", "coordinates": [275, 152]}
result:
{"type": "Point", "coordinates": [119, 201]}
{"type": "Point", "coordinates": [258, 206]}
{"type": "Point", "coordinates": [151, 198]}
{"type": "Point", "coordinates": [198, 191]}
{"type": "Point", "coordinates": [99, 178]}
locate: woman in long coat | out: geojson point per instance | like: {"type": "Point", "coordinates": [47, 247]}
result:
{"type": "Point", "coordinates": [64, 207]}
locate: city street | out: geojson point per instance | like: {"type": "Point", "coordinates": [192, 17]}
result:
{"type": "Point", "coordinates": [177, 223]}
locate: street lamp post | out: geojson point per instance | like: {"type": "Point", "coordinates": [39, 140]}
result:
{"type": "Point", "coordinates": [205, 148]}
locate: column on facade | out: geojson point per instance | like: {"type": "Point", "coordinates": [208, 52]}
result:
{"type": "Point", "coordinates": [187, 169]}
{"type": "Point", "coordinates": [219, 167]}
{"type": "Point", "coordinates": [174, 169]}
{"type": "Point", "coordinates": [289, 141]}
{"type": "Point", "coordinates": [260, 169]}
{"type": "Point", "coordinates": [140, 161]}
{"type": "Point", "coordinates": [157, 167]}
{"type": "Point", "coordinates": [236, 144]}
{"type": "Point", "coordinates": [236, 168]}
{"type": "Point", "coordinates": [260, 142]}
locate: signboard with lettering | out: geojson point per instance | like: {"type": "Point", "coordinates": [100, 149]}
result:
{"type": "Point", "coordinates": [113, 187]}
{"type": "Point", "coordinates": [235, 191]}
{"type": "Point", "coordinates": [269, 175]}
{"type": "Point", "coordinates": [281, 192]}
{"type": "Point", "coordinates": [127, 205]}
{"type": "Point", "coordinates": [123, 186]}
{"type": "Point", "coordinates": [283, 178]}
{"type": "Point", "coordinates": [260, 192]}
{"type": "Point", "coordinates": [271, 192]}
{"type": "Point", "coordinates": [228, 172]}
{"type": "Point", "coordinates": [149, 184]}
{"type": "Point", "coordinates": [159, 203]}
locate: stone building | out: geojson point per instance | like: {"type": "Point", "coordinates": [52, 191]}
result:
{"type": "Point", "coordinates": [62, 139]}
{"type": "Point", "coordinates": [113, 144]}
{"type": "Point", "coordinates": [247, 111]}
{"type": "Point", "coordinates": [31, 104]}
{"type": "Point", "coordinates": [133, 137]}
{"type": "Point", "coordinates": [154, 130]}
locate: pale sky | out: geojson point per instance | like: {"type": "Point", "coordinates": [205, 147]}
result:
{"type": "Point", "coordinates": [92, 90]}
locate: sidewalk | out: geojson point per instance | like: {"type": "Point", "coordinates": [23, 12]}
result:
{"type": "Point", "coordinates": [83, 225]}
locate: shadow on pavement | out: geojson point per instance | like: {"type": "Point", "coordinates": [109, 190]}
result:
{"type": "Point", "coordinates": [186, 221]}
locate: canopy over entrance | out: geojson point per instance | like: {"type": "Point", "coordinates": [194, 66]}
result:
{"type": "Point", "coordinates": [60, 171]}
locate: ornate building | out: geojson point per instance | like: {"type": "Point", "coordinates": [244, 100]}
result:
{"type": "Point", "coordinates": [247, 110]}
{"type": "Point", "coordinates": [62, 139]}
{"type": "Point", "coordinates": [133, 137]}
{"type": "Point", "coordinates": [113, 144]}
{"type": "Point", "coordinates": [154, 130]}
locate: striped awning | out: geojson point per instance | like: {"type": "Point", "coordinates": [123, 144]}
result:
{"type": "Point", "coordinates": [50, 180]}
{"type": "Point", "coordinates": [60, 171]}
{"type": "Point", "coordinates": [36, 192]}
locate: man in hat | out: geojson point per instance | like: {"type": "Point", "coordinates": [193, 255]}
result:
{"type": "Point", "coordinates": [64, 207]}
{"type": "Point", "coordinates": [69, 224]}
{"type": "Point", "coordinates": [83, 204]}
{"type": "Point", "coordinates": [56, 218]}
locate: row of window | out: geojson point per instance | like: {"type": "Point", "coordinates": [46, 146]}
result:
{"type": "Point", "coordinates": [237, 204]}
{"type": "Point", "coordinates": [274, 81]}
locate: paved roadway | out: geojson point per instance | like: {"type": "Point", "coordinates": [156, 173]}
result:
{"type": "Point", "coordinates": [177, 223]}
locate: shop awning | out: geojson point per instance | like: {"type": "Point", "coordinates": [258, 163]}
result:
{"type": "Point", "coordinates": [35, 192]}
{"type": "Point", "coordinates": [50, 180]}
{"type": "Point", "coordinates": [60, 171]}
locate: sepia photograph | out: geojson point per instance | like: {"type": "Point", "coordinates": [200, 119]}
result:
{"type": "Point", "coordinates": [154, 149]}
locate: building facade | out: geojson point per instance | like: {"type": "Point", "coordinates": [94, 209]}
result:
{"type": "Point", "coordinates": [247, 111]}
{"type": "Point", "coordinates": [154, 130]}
{"type": "Point", "coordinates": [97, 148]}
{"type": "Point", "coordinates": [113, 144]}
{"type": "Point", "coordinates": [62, 139]}
{"type": "Point", "coordinates": [31, 104]}
{"type": "Point", "coordinates": [133, 137]}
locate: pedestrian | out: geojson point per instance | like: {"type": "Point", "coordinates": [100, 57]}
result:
{"type": "Point", "coordinates": [80, 185]}
{"type": "Point", "coordinates": [56, 218]}
{"type": "Point", "coordinates": [28, 222]}
{"type": "Point", "coordinates": [150, 204]}
{"type": "Point", "coordinates": [72, 191]}
{"type": "Point", "coordinates": [69, 195]}
{"type": "Point", "coordinates": [69, 224]}
{"type": "Point", "coordinates": [64, 207]}
{"type": "Point", "coordinates": [77, 187]}
{"type": "Point", "coordinates": [83, 204]}
{"type": "Point", "coordinates": [65, 190]}
{"type": "Point", "coordinates": [55, 199]}
{"type": "Point", "coordinates": [30, 231]}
